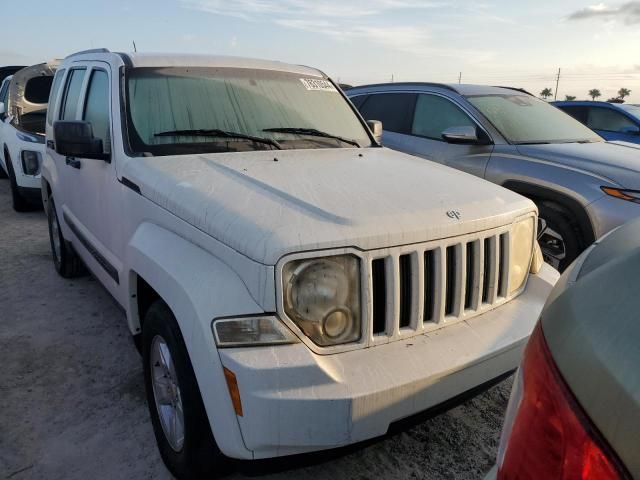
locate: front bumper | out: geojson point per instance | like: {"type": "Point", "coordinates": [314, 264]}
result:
{"type": "Point", "coordinates": [295, 401]}
{"type": "Point", "coordinates": [607, 213]}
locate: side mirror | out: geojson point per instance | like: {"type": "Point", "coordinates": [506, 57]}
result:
{"type": "Point", "coordinates": [462, 135]}
{"type": "Point", "coordinates": [376, 128]}
{"type": "Point", "coordinates": [75, 139]}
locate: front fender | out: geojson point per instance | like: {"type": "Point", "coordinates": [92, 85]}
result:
{"type": "Point", "coordinates": [197, 287]}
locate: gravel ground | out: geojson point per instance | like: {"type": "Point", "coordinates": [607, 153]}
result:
{"type": "Point", "coordinates": [72, 397]}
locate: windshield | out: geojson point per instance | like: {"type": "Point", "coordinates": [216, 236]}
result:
{"type": "Point", "coordinates": [195, 110]}
{"type": "Point", "coordinates": [633, 110]}
{"type": "Point", "coordinates": [525, 119]}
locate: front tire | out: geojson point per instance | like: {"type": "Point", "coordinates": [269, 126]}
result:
{"type": "Point", "coordinates": [18, 202]}
{"type": "Point", "coordinates": [65, 260]}
{"type": "Point", "coordinates": [558, 236]}
{"type": "Point", "coordinates": [180, 422]}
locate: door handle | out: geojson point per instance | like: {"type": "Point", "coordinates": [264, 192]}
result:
{"type": "Point", "coordinates": [51, 144]}
{"type": "Point", "coordinates": [73, 162]}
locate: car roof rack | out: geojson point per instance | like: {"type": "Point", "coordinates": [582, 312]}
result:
{"type": "Point", "coordinates": [516, 89]}
{"type": "Point", "coordinates": [91, 50]}
{"type": "Point", "coordinates": [407, 84]}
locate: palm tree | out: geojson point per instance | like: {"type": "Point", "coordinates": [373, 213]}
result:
{"type": "Point", "coordinates": [546, 93]}
{"type": "Point", "coordinates": [594, 93]}
{"type": "Point", "coordinates": [623, 92]}
{"type": "Point", "coordinates": [569, 98]}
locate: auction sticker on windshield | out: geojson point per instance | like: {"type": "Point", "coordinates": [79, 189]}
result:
{"type": "Point", "coordinates": [318, 84]}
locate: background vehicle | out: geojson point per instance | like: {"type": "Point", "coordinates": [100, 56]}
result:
{"type": "Point", "coordinates": [231, 207]}
{"type": "Point", "coordinates": [23, 108]}
{"type": "Point", "coordinates": [574, 410]}
{"type": "Point", "coordinates": [583, 186]}
{"type": "Point", "coordinates": [612, 121]}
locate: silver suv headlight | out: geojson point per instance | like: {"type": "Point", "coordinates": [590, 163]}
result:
{"type": "Point", "coordinates": [521, 253]}
{"type": "Point", "coordinates": [322, 297]}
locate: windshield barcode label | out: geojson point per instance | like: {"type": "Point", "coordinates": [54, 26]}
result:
{"type": "Point", "coordinates": [318, 84]}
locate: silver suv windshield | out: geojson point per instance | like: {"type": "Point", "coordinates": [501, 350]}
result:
{"type": "Point", "coordinates": [175, 111]}
{"type": "Point", "coordinates": [523, 119]}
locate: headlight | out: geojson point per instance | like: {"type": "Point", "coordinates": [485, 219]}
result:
{"type": "Point", "coordinates": [31, 162]}
{"type": "Point", "coordinates": [521, 251]}
{"type": "Point", "coordinates": [537, 260]}
{"type": "Point", "coordinates": [629, 195]}
{"type": "Point", "coordinates": [322, 296]}
{"type": "Point", "coordinates": [251, 331]}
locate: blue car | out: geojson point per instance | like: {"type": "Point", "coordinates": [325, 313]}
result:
{"type": "Point", "coordinates": [613, 121]}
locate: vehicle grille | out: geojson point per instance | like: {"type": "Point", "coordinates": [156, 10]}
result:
{"type": "Point", "coordinates": [414, 289]}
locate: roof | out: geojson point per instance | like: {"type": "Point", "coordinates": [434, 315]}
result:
{"type": "Point", "coordinates": [461, 89]}
{"type": "Point", "coordinates": [586, 102]}
{"type": "Point", "coordinates": [189, 60]}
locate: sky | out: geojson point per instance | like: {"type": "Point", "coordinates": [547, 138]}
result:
{"type": "Point", "coordinates": [501, 42]}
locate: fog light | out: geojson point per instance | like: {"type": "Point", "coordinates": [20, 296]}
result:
{"type": "Point", "coordinates": [336, 324]}
{"type": "Point", "coordinates": [31, 162]}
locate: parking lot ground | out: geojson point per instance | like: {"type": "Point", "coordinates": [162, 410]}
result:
{"type": "Point", "coordinates": [72, 402]}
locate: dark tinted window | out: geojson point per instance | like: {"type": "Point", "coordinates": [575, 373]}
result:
{"type": "Point", "coordinates": [577, 112]}
{"type": "Point", "coordinates": [606, 119]}
{"type": "Point", "coordinates": [53, 97]}
{"type": "Point", "coordinates": [72, 94]}
{"type": "Point", "coordinates": [435, 114]}
{"type": "Point", "coordinates": [96, 106]}
{"type": "Point", "coordinates": [394, 110]}
{"type": "Point", "coordinates": [4, 91]}
{"type": "Point", "coordinates": [37, 89]}
{"type": "Point", "coordinates": [359, 100]}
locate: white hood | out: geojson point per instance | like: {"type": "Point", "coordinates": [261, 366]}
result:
{"type": "Point", "coordinates": [315, 199]}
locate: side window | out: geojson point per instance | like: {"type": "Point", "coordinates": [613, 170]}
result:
{"type": "Point", "coordinates": [53, 96]}
{"type": "Point", "coordinates": [359, 100]}
{"type": "Point", "coordinates": [4, 93]}
{"type": "Point", "coordinates": [435, 114]}
{"type": "Point", "coordinates": [579, 113]}
{"type": "Point", "coordinates": [72, 94]}
{"type": "Point", "coordinates": [394, 110]}
{"type": "Point", "coordinates": [609, 120]}
{"type": "Point", "coordinates": [96, 106]}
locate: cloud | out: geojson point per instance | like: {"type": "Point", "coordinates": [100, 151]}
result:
{"type": "Point", "coordinates": [627, 13]}
{"type": "Point", "coordinates": [343, 20]}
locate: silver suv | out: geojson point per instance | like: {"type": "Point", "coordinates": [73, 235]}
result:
{"type": "Point", "coordinates": [583, 186]}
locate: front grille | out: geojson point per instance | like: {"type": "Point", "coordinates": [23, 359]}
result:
{"type": "Point", "coordinates": [414, 288]}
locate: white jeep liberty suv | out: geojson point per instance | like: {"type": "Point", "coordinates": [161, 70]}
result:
{"type": "Point", "coordinates": [292, 285]}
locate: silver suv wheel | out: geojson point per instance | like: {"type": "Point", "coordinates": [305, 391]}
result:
{"type": "Point", "coordinates": [166, 393]}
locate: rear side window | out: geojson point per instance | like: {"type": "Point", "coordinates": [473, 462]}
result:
{"type": "Point", "coordinates": [608, 120]}
{"type": "Point", "coordinates": [579, 113]}
{"type": "Point", "coordinates": [435, 114]}
{"type": "Point", "coordinates": [394, 110]}
{"type": "Point", "coordinates": [3, 92]}
{"type": "Point", "coordinates": [72, 94]}
{"type": "Point", "coordinates": [37, 89]}
{"type": "Point", "coordinates": [96, 106]}
{"type": "Point", "coordinates": [53, 97]}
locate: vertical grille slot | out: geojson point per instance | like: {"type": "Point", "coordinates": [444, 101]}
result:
{"type": "Point", "coordinates": [502, 265]}
{"type": "Point", "coordinates": [489, 254]}
{"type": "Point", "coordinates": [471, 275]}
{"type": "Point", "coordinates": [405, 290]}
{"type": "Point", "coordinates": [429, 285]}
{"type": "Point", "coordinates": [451, 280]}
{"type": "Point", "coordinates": [379, 283]}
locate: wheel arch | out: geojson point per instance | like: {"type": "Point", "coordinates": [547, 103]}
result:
{"type": "Point", "coordinates": [197, 287]}
{"type": "Point", "coordinates": [539, 194]}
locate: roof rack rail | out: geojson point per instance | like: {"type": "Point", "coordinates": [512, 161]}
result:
{"type": "Point", "coordinates": [407, 84]}
{"type": "Point", "coordinates": [91, 50]}
{"type": "Point", "coordinates": [516, 89]}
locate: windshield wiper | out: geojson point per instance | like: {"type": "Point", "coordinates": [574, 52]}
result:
{"type": "Point", "coordinates": [214, 132]}
{"type": "Point", "coordinates": [311, 132]}
{"type": "Point", "coordinates": [532, 143]}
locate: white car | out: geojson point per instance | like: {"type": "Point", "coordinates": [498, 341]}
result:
{"type": "Point", "coordinates": [23, 109]}
{"type": "Point", "coordinates": [293, 286]}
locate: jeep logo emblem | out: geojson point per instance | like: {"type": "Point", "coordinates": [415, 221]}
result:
{"type": "Point", "coordinates": [454, 214]}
